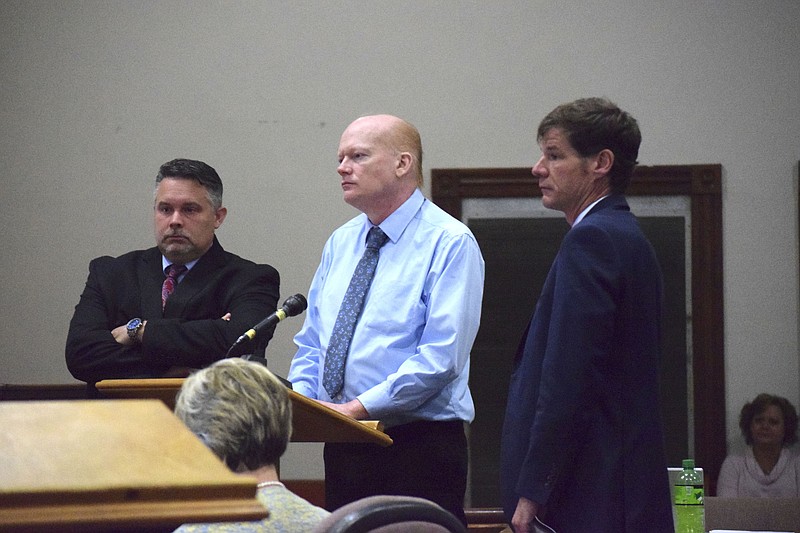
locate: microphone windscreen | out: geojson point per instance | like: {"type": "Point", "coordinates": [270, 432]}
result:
{"type": "Point", "coordinates": [294, 305]}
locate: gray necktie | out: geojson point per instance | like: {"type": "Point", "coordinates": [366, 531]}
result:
{"type": "Point", "coordinates": [352, 305]}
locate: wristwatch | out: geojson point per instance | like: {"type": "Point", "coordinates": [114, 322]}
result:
{"type": "Point", "coordinates": [134, 325]}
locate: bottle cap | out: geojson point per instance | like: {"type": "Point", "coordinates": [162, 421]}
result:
{"type": "Point", "coordinates": [688, 463]}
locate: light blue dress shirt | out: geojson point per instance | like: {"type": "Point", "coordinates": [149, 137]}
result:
{"type": "Point", "coordinates": [166, 262]}
{"type": "Point", "coordinates": [409, 357]}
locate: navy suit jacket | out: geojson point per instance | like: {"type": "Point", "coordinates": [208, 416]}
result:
{"type": "Point", "coordinates": [188, 333]}
{"type": "Point", "coordinates": [582, 434]}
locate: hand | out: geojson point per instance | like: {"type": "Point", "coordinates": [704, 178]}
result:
{"type": "Point", "coordinates": [226, 317]}
{"type": "Point", "coordinates": [120, 334]}
{"type": "Point", "coordinates": [526, 511]}
{"type": "Point", "coordinates": [353, 408]}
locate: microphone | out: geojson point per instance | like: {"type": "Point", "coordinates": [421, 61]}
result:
{"type": "Point", "coordinates": [294, 305]}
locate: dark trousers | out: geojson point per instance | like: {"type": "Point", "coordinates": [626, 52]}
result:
{"type": "Point", "coordinates": [427, 460]}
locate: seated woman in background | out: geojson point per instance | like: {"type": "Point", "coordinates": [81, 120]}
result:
{"type": "Point", "coordinates": [242, 412]}
{"type": "Point", "coordinates": [769, 468]}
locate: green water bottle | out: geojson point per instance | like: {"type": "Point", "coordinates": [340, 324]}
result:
{"type": "Point", "coordinates": [688, 499]}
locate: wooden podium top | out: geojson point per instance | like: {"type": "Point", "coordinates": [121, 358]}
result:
{"type": "Point", "coordinates": [98, 465]}
{"type": "Point", "coordinates": [311, 421]}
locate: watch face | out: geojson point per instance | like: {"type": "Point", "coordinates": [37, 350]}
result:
{"type": "Point", "coordinates": [133, 327]}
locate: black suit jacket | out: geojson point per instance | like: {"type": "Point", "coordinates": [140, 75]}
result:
{"type": "Point", "coordinates": [188, 333]}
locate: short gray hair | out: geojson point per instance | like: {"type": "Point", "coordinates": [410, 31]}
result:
{"type": "Point", "coordinates": [240, 410]}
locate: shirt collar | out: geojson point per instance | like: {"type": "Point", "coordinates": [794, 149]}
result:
{"type": "Point", "coordinates": [586, 211]}
{"type": "Point", "coordinates": [396, 223]}
{"type": "Point", "coordinates": [166, 262]}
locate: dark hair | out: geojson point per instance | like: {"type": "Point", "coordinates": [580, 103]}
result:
{"type": "Point", "coordinates": [595, 124]}
{"type": "Point", "coordinates": [198, 171]}
{"type": "Point", "coordinates": [758, 406]}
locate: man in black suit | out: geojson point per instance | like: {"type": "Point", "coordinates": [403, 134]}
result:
{"type": "Point", "coordinates": [129, 324]}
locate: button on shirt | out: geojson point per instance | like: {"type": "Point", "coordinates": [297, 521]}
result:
{"type": "Point", "coordinates": [409, 357]}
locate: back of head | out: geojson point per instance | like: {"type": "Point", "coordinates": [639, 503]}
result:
{"type": "Point", "coordinates": [407, 139]}
{"type": "Point", "coordinates": [595, 124]}
{"type": "Point", "coordinates": [198, 171]}
{"type": "Point", "coordinates": [240, 410]}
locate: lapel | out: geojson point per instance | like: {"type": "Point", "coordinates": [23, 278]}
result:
{"type": "Point", "coordinates": [151, 277]}
{"type": "Point", "coordinates": [194, 282]}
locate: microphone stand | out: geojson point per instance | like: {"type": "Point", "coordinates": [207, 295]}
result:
{"type": "Point", "coordinates": [294, 305]}
{"type": "Point", "coordinates": [259, 356]}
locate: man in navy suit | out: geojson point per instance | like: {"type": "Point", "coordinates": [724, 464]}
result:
{"type": "Point", "coordinates": [124, 327]}
{"type": "Point", "coordinates": [582, 443]}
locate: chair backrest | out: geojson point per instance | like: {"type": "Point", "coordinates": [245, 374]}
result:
{"type": "Point", "coordinates": [390, 514]}
{"type": "Point", "coordinates": [752, 514]}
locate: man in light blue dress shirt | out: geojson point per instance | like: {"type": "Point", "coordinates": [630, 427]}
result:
{"type": "Point", "coordinates": [408, 362]}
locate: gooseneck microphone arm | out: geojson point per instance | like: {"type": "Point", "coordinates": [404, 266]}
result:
{"type": "Point", "coordinates": [294, 305]}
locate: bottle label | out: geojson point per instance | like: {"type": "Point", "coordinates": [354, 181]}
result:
{"type": "Point", "coordinates": [688, 495]}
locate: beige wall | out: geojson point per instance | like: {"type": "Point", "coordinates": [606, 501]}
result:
{"type": "Point", "coordinates": [94, 96]}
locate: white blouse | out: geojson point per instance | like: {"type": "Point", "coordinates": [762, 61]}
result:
{"type": "Point", "coordinates": [742, 477]}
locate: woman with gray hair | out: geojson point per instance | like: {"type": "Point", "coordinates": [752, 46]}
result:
{"type": "Point", "coordinates": [242, 412]}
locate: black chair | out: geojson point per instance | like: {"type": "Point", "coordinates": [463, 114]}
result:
{"type": "Point", "coordinates": [389, 514]}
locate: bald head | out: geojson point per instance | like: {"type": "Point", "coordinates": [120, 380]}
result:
{"type": "Point", "coordinates": [380, 164]}
{"type": "Point", "coordinates": [394, 134]}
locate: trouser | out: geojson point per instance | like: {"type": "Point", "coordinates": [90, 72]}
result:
{"type": "Point", "coordinates": [427, 459]}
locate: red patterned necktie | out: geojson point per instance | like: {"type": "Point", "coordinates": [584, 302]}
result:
{"type": "Point", "coordinates": [173, 272]}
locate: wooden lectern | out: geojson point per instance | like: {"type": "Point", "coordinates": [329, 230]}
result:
{"type": "Point", "coordinates": [101, 465]}
{"type": "Point", "coordinates": [311, 421]}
